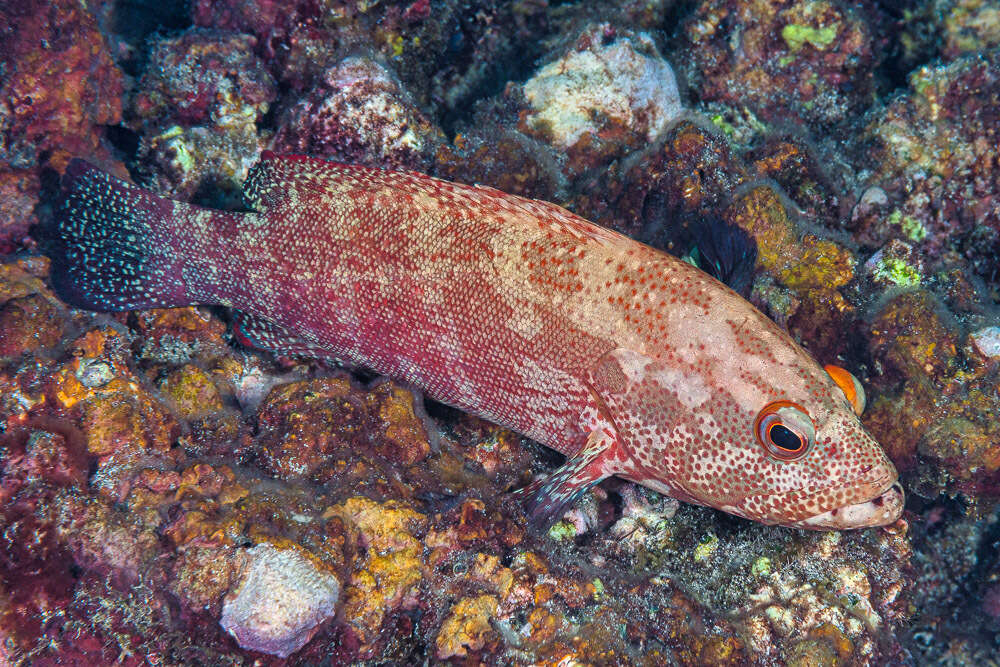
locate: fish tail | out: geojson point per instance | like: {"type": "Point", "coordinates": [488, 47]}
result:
{"type": "Point", "coordinates": [114, 246]}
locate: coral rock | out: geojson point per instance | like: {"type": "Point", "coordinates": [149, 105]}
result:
{"type": "Point", "coordinates": [809, 61]}
{"type": "Point", "coordinates": [910, 334]}
{"type": "Point", "coordinates": [202, 76]}
{"type": "Point", "coordinates": [28, 324]}
{"type": "Point", "coordinates": [19, 193]}
{"type": "Point", "coordinates": [386, 578]}
{"type": "Point", "coordinates": [467, 627]}
{"type": "Point", "coordinates": [310, 428]}
{"type": "Point", "coordinates": [192, 391]}
{"type": "Point", "coordinates": [179, 335]}
{"type": "Point", "coordinates": [280, 602]}
{"type": "Point", "coordinates": [609, 90]}
{"type": "Point", "coordinates": [970, 26]}
{"type": "Point", "coordinates": [60, 84]}
{"type": "Point", "coordinates": [506, 161]}
{"type": "Point", "coordinates": [202, 576]}
{"type": "Point", "coordinates": [359, 113]}
{"type": "Point", "coordinates": [198, 106]}
{"type": "Point", "coordinates": [935, 151]}
{"type": "Point", "coordinates": [692, 176]}
{"type": "Point", "coordinates": [987, 341]}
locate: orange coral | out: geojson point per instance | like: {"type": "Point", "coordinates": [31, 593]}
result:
{"type": "Point", "coordinates": [387, 576]}
{"type": "Point", "coordinates": [467, 627]}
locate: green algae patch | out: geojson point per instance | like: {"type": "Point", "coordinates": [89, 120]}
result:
{"type": "Point", "coordinates": [761, 567]}
{"type": "Point", "coordinates": [898, 272]}
{"type": "Point", "coordinates": [912, 228]}
{"type": "Point", "coordinates": [562, 531]}
{"type": "Point", "coordinates": [723, 125]}
{"type": "Point", "coordinates": [796, 36]}
{"type": "Point", "coordinates": [706, 548]}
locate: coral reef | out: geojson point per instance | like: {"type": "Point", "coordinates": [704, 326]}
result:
{"type": "Point", "coordinates": [197, 107]}
{"type": "Point", "coordinates": [937, 415]}
{"type": "Point", "coordinates": [168, 497]}
{"type": "Point", "coordinates": [937, 165]}
{"type": "Point", "coordinates": [272, 566]}
{"type": "Point", "coordinates": [806, 62]}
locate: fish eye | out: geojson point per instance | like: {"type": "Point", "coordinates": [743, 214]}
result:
{"type": "Point", "coordinates": [785, 430]}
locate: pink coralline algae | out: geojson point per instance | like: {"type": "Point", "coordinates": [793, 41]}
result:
{"type": "Point", "coordinates": [60, 83]}
{"type": "Point", "coordinates": [359, 113]}
{"type": "Point", "coordinates": [59, 87]}
{"type": "Point", "coordinates": [19, 192]}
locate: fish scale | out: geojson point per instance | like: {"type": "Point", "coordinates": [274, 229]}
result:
{"type": "Point", "coordinates": [625, 359]}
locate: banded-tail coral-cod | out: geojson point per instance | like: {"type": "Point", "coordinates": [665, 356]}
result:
{"type": "Point", "coordinates": [625, 359]}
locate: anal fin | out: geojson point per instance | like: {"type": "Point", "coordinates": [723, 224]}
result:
{"type": "Point", "coordinates": [263, 334]}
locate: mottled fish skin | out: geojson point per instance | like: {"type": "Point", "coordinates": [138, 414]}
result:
{"type": "Point", "coordinates": [627, 360]}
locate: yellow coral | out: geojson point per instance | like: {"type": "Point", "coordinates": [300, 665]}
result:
{"type": "Point", "coordinates": [192, 391]}
{"type": "Point", "coordinates": [809, 262]}
{"type": "Point", "coordinates": [386, 577]}
{"type": "Point", "coordinates": [466, 627]}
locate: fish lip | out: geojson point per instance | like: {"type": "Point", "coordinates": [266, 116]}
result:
{"type": "Point", "coordinates": [883, 509]}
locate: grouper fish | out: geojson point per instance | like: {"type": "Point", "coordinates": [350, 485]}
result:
{"type": "Point", "coordinates": [627, 360]}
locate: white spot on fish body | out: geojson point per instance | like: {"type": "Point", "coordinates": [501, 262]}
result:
{"type": "Point", "coordinates": [689, 388]}
{"type": "Point", "coordinates": [634, 367]}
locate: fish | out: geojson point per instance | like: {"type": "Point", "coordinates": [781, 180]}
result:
{"type": "Point", "coordinates": [727, 253]}
{"type": "Point", "coordinates": [623, 358]}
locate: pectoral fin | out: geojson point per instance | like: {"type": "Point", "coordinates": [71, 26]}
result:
{"type": "Point", "coordinates": [549, 498]}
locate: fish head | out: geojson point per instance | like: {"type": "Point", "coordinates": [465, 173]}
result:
{"type": "Point", "coordinates": [821, 468]}
{"type": "Point", "coordinates": [775, 442]}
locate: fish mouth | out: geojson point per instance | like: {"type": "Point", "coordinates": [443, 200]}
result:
{"type": "Point", "coordinates": [881, 510]}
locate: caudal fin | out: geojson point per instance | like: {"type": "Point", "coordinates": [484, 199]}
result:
{"type": "Point", "coordinates": [113, 246]}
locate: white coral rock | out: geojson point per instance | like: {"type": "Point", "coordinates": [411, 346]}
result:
{"type": "Point", "coordinates": [280, 601]}
{"type": "Point", "coordinates": [605, 77]}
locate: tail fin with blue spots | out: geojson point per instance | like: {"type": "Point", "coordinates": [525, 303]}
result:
{"type": "Point", "coordinates": [115, 245]}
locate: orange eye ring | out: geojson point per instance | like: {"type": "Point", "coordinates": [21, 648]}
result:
{"type": "Point", "coordinates": [785, 430]}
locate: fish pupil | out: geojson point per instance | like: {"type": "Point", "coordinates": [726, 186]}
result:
{"type": "Point", "coordinates": [784, 438]}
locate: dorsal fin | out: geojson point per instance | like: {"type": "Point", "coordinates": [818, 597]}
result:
{"type": "Point", "coordinates": [291, 180]}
